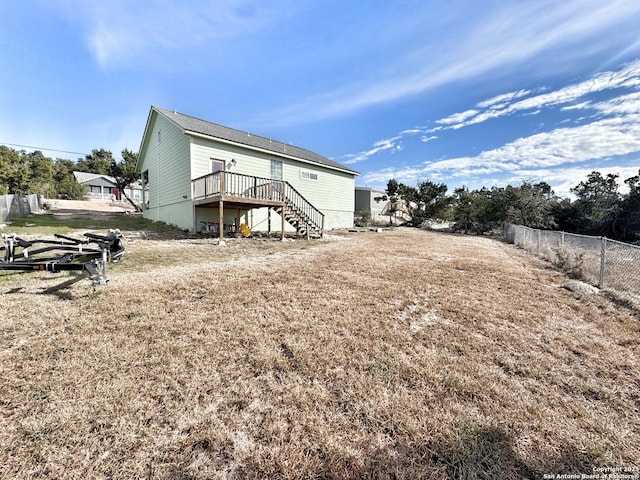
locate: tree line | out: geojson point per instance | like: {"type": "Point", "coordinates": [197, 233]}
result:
{"type": "Point", "coordinates": [34, 173]}
{"type": "Point", "coordinates": [599, 208]}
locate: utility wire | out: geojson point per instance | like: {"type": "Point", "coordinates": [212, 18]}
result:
{"type": "Point", "coordinates": [42, 148]}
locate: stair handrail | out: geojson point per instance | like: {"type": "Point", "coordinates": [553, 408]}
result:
{"type": "Point", "coordinates": [223, 183]}
{"type": "Point", "coordinates": [309, 213]}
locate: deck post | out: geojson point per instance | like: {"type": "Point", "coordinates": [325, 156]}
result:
{"type": "Point", "coordinates": [221, 220]}
{"type": "Point", "coordinates": [195, 218]}
{"type": "Point", "coordinates": [282, 217]}
{"type": "Point", "coordinates": [269, 221]}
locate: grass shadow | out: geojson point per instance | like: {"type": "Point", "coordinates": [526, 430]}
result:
{"type": "Point", "coordinates": [472, 453]}
{"type": "Point", "coordinates": [490, 452]}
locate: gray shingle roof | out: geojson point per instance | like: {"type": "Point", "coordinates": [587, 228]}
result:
{"type": "Point", "coordinates": [94, 178]}
{"type": "Point", "coordinates": [192, 124]}
{"type": "Point", "coordinates": [99, 179]}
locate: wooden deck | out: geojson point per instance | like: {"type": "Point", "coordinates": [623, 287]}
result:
{"type": "Point", "coordinates": [227, 190]}
{"type": "Point", "coordinates": [236, 189]}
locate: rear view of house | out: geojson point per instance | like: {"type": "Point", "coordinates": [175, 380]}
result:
{"type": "Point", "coordinates": [199, 176]}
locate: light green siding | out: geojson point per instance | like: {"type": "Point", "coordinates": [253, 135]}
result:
{"type": "Point", "coordinates": [248, 162]}
{"type": "Point", "coordinates": [179, 214]}
{"type": "Point", "coordinates": [165, 156]}
{"type": "Point", "coordinates": [173, 158]}
{"type": "Point", "coordinates": [332, 192]}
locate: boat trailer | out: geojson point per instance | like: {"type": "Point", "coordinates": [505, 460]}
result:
{"type": "Point", "coordinates": [89, 255]}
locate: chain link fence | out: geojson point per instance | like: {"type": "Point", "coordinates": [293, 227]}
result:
{"type": "Point", "coordinates": [596, 260]}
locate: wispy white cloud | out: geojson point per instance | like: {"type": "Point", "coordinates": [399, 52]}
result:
{"type": "Point", "coordinates": [628, 76]}
{"type": "Point", "coordinates": [558, 150]}
{"type": "Point", "coordinates": [386, 145]}
{"type": "Point", "coordinates": [458, 117]}
{"type": "Point", "coordinates": [577, 106]}
{"type": "Point", "coordinates": [611, 131]}
{"type": "Point", "coordinates": [500, 100]}
{"type": "Point", "coordinates": [564, 179]}
{"type": "Point", "coordinates": [509, 35]}
{"type": "Point", "coordinates": [620, 105]}
{"type": "Point", "coordinates": [122, 31]}
{"type": "Point", "coordinates": [600, 139]}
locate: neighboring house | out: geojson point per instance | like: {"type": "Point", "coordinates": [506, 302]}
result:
{"type": "Point", "coordinates": [199, 175]}
{"type": "Point", "coordinates": [103, 187]}
{"type": "Point", "coordinates": [365, 200]}
{"type": "Point", "coordinates": [370, 200]}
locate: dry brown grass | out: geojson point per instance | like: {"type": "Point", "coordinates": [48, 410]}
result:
{"type": "Point", "coordinates": [407, 354]}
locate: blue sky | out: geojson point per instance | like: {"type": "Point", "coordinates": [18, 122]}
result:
{"type": "Point", "coordinates": [462, 92]}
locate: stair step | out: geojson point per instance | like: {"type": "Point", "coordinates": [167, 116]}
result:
{"type": "Point", "coordinates": [298, 219]}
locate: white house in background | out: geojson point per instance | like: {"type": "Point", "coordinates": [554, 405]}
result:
{"type": "Point", "coordinates": [103, 187]}
{"type": "Point", "coordinates": [370, 200]}
{"type": "Point", "coordinates": [200, 175]}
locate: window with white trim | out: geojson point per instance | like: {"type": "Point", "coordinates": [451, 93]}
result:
{"type": "Point", "coordinates": [308, 175]}
{"type": "Point", "coordinates": [217, 165]}
{"type": "Point", "coordinates": [276, 169]}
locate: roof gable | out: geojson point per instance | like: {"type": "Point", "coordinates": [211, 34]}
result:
{"type": "Point", "coordinates": [220, 132]}
{"type": "Point", "coordinates": [93, 178]}
{"type": "Point", "coordinates": [100, 179]}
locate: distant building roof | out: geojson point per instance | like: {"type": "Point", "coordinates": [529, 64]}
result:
{"type": "Point", "coordinates": [99, 179]}
{"type": "Point", "coordinates": [376, 190]}
{"type": "Point", "coordinates": [213, 130]}
{"type": "Point", "coordinates": [94, 179]}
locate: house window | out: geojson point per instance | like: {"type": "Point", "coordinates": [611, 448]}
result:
{"type": "Point", "coordinates": [307, 175]}
{"type": "Point", "coordinates": [217, 166]}
{"type": "Point", "coordinates": [276, 169]}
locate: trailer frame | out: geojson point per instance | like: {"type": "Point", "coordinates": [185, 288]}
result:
{"type": "Point", "coordinates": [89, 255]}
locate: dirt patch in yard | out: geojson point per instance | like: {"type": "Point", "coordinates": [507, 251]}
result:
{"type": "Point", "coordinates": [87, 207]}
{"type": "Point", "coordinates": [405, 354]}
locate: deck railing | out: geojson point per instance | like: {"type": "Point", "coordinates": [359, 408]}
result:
{"type": "Point", "coordinates": [229, 184]}
{"type": "Point", "coordinates": [237, 185]}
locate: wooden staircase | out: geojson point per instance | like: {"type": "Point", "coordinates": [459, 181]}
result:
{"type": "Point", "coordinates": [300, 213]}
{"type": "Point", "coordinates": [246, 192]}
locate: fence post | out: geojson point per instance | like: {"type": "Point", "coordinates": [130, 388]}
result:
{"type": "Point", "coordinates": [603, 254]}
